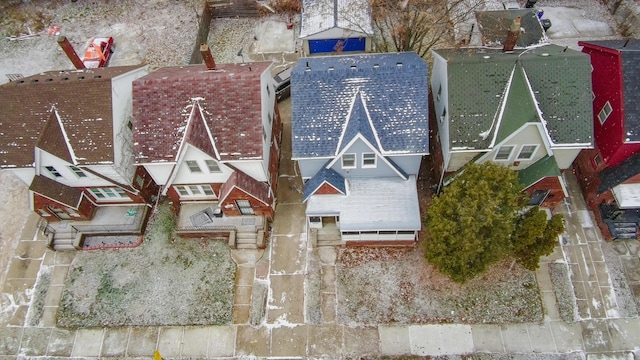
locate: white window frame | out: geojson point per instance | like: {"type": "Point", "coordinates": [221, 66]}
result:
{"type": "Point", "coordinates": [77, 171]}
{"type": "Point", "coordinates": [511, 148]}
{"type": "Point", "coordinates": [195, 191]}
{"type": "Point", "coordinates": [193, 166]}
{"type": "Point", "coordinates": [52, 170]}
{"type": "Point", "coordinates": [104, 194]}
{"type": "Point", "coordinates": [604, 113]}
{"type": "Point", "coordinates": [365, 159]}
{"type": "Point", "coordinates": [213, 166]}
{"type": "Point", "coordinates": [533, 153]}
{"type": "Point", "coordinates": [344, 156]}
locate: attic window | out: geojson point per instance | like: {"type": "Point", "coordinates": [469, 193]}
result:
{"type": "Point", "coordinates": [79, 173]}
{"type": "Point", "coordinates": [213, 166]}
{"type": "Point", "coordinates": [193, 166]}
{"type": "Point", "coordinates": [527, 152]}
{"type": "Point", "coordinates": [348, 161]}
{"type": "Point", "coordinates": [603, 115]}
{"type": "Point", "coordinates": [53, 171]}
{"type": "Point", "coordinates": [504, 153]}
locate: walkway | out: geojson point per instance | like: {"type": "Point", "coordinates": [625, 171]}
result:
{"type": "Point", "coordinates": [285, 304]}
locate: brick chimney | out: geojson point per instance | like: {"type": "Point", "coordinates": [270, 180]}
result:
{"type": "Point", "coordinates": [71, 53]}
{"type": "Point", "coordinates": [512, 35]}
{"type": "Point", "coordinates": [207, 57]}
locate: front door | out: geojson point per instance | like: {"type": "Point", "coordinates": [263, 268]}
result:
{"type": "Point", "coordinates": [244, 206]}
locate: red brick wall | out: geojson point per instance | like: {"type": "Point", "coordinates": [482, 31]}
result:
{"type": "Point", "coordinates": [326, 189]}
{"type": "Point", "coordinates": [148, 189]}
{"type": "Point", "coordinates": [229, 207]}
{"type": "Point", "coordinates": [552, 183]}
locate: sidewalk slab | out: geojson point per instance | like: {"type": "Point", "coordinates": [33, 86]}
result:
{"type": "Point", "coordinates": [361, 342]}
{"type": "Point", "coordinates": [115, 341]}
{"type": "Point", "coordinates": [34, 341]}
{"type": "Point", "coordinates": [288, 255]}
{"type": "Point", "coordinates": [327, 339]}
{"type": "Point", "coordinates": [253, 342]}
{"type": "Point", "coordinates": [289, 341]}
{"type": "Point", "coordinates": [143, 341]}
{"type": "Point", "coordinates": [222, 341]}
{"type": "Point", "coordinates": [567, 337]}
{"type": "Point", "coordinates": [394, 340]}
{"type": "Point", "coordinates": [516, 338]}
{"type": "Point", "coordinates": [440, 339]}
{"type": "Point", "coordinates": [195, 342]}
{"type": "Point", "coordinates": [61, 342]}
{"type": "Point", "coordinates": [286, 302]}
{"type": "Point", "coordinates": [625, 333]}
{"type": "Point", "coordinates": [88, 343]}
{"type": "Point", "coordinates": [487, 338]}
{"type": "Point", "coordinates": [541, 338]}
{"type": "Point", "coordinates": [170, 341]}
{"type": "Point", "coordinates": [10, 340]}
{"type": "Point", "coordinates": [595, 334]}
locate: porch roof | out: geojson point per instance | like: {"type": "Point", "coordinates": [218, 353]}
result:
{"type": "Point", "coordinates": [372, 204]}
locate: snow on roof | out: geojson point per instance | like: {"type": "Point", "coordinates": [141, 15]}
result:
{"type": "Point", "coordinates": [390, 203]}
{"type": "Point", "coordinates": [627, 196]}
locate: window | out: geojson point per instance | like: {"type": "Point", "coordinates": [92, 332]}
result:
{"type": "Point", "coordinates": [108, 193]}
{"type": "Point", "coordinates": [527, 152]}
{"type": "Point", "coordinates": [439, 92]}
{"type": "Point", "coordinates": [194, 190]}
{"type": "Point", "coordinates": [348, 161]}
{"type": "Point", "coordinates": [443, 115]}
{"type": "Point", "coordinates": [77, 171]}
{"type": "Point", "coordinates": [596, 161]}
{"type": "Point", "coordinates": [193, 166]}
{"type": "Point", "coordinates": [212, 165]}
{"type": "Point", "coordinates": [244, 206]}
{"type": "Point", "coordinates": [53, 171]}
{"type": "Point", "coordinates": [368, 160]}
{"type": "Point", "coordinates": [504, 153]}
{"type": "Point", "coordinates": [139, 181]}
{"type": "Point", "coordinates": [603, 115]}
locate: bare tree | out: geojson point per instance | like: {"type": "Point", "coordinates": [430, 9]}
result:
{"type": "Point", "coordinates": [418, 25]}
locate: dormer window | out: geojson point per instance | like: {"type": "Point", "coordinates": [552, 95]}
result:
{"type": "Point", "coordinates": [53, 171]}
{"type": "Point", "coordinates": [193, 166]}
{"type": "Point", "coordinates": [79, 173]}
{"type": "Point", "coordinates": [504, 153]}
{"type": "Point", "coordinates": [527, 152]}
{"type": "Point", "coordinates": [348, 161]}
{"type": "Point", "coordinates": [213, 166]}
{"type": "Point", "coordinates": [368, 160]}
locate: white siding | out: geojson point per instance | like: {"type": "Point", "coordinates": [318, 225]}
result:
{"type": "Point", "coordinates": [439, 86]}
{"type": "Point", "coordinates": [529, 134]}
{"type": "Point", "coordinates": [268, 99]}
{"type": "Point", "coordinates": [565, 157]}
{"type": "Point", "coordinates": [68, 177]}
{"type": "Point", "coordinates": [252, 168]}
{"type": "Point", "coordinates": [185, 176]}
{"type": "Point", "coordinates": [160, 171]}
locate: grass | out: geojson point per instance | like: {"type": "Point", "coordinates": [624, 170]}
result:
{"type": "Point", "coordinates": [165, 281]}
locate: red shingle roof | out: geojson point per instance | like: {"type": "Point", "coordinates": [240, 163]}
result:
{"type": "Point", "coordinates": [230, 98]}
{"type": "Point", "coordinates": [83, 101]}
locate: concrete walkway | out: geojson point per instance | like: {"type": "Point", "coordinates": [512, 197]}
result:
{"type": "Point", "coordinates": [285, 304]}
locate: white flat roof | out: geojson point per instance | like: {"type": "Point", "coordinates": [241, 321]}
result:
{"type": "Point", "coordinates": [372, 204]}
{"type": "Point", "coordinates": [627, 196]}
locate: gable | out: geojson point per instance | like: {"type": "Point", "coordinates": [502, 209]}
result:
{"type": "Point", "coordinates": [393, 87]}
{"type": "Point", "coordinates": [519, 107]}
{"type": "Point", "coordinates": [83, 100]}
{"type": "Point", "coordinates": [53, 139]}
{"type": "Point", "coordinates": [231, 100]}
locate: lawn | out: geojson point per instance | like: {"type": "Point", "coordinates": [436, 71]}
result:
{"type": "Point", "coordinates": [381, 286]}
{"type": "Point", "coordinates": [167, 280]}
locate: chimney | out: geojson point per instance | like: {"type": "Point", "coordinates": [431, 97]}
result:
{"type": "Point", "coordinates": [512, 35]}
{"type": "Point", "coordinates": [71, 53]}
{"type": "Point", "coordinates": [207, 57]}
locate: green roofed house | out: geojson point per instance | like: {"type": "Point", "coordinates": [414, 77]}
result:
{"type": "Point", "coordinates": [527, 109]}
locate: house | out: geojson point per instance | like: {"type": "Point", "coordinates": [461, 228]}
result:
{"type": "Point", "coordinates": [67, 135]}
{"type": "Point", "coordinates": [528, 109]}
{"type": "Point", "coordinates": [360, 130]}
{"type": "Point", "coordinates": [491, 28]}
{"type": "Point", "coordinates": [209, 135]}
{"type": "Point", "coordinates": [610, 173]}
{"type": "Point", "coordinates": [335, 26]}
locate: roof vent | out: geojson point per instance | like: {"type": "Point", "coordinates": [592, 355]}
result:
{"type": "Point", "coordinates": [399, 64]}
{"type": "Point", "coordinates": [353, 67]}
{"type": "Point", "coordinates": [34, 80]}
{"type": "Point", "coordinates": [49, 79]}
{"type": "Point", "coordinates": [486, 57]}
{"type": "Point", "coordinates": [544, 54]}
{"type": "Point", "coordinates": [80, 77]}
{"type": "Point", "coordinates": [330, 68]}
{"type": "Point", "coordinates": [97, 77]}
{"type": "Point", "coordinates": [65, 78]}
{"type": "Point", "coordinates": [375, 66]}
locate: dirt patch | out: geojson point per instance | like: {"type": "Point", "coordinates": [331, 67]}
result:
{"type": "Point", "coordinates": [378, 286]}
{"type": "Point", "coordinates": [165, 281]}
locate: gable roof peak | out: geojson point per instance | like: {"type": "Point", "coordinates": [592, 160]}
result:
{"type": "Point", "coordinates": [358, 122]}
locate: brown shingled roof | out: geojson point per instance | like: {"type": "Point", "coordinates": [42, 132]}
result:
{"type": "Point", "coordinates": [246, 183]}
{"type": "Point", "coordinates": [56, 191]}
{"type": "Point", "coordinates": [230, 97]}
{"type": "Point", "coordinates": [83, 101]}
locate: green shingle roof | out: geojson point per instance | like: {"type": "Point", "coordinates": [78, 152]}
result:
{"type": "Point", "coordinates": [542, 168]}
{"type": "Point", "coordinates": [557, 79]}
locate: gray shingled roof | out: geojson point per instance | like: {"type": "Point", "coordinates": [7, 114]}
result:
{"type": "Point", "coordinates": [630, 50]}
{"type": "Point", "coordinates": [560, 79]}
{"type": "Point", "coordinates": [617, 174]}
{"type": "Point", "coordinates": [393, 89]}
{"type": "Point", "coordinates": [329, 176]}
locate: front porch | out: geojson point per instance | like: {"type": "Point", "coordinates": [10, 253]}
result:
{"type": "Point", "coordinates": [127, 219]}
{"type": "Point", "coordinates": [198, 219]}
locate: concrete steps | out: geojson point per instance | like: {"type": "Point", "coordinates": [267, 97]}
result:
{"type": "Point", "coordinates": [65, 241]}
{"type": "Point", "coordinates": [246, 241]}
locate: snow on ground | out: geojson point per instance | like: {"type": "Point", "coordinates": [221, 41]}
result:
{"type": "Point", "coordinates": [13, 215]}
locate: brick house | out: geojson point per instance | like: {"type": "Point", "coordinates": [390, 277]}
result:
{"type": "Point", "coordinates": [210, 137]}
{"type": "Point", "coordinates": [67, 134]}
{"type": "Point", "coordinates": [527, 109]}
{"type": "Point", "coordinates": [610, 174]}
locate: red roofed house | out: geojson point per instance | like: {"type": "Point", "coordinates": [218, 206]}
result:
{"type": "Point", "coordinates": [67, 134]}
{"type": "Point", "coordinates": [610, 173]}
{"type": "Point", "coordinates": [210, 137]}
